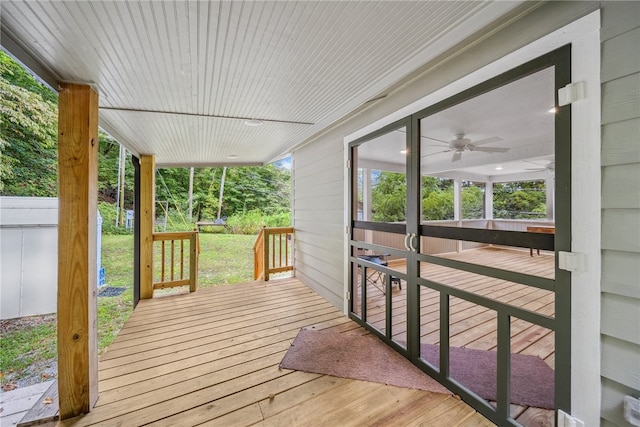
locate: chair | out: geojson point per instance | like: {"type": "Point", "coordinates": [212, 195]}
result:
{"type": "Point", "coordinates": [377, 278]}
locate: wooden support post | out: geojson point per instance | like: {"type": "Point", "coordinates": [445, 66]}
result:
{"type": "Point", "coordinates": [147, 223]}
{"type": "Point", "coordinates": [77, 287]}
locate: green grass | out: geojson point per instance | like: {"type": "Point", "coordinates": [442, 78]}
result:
{"type": "Point", "coordinates": [23, 346]}
{"type": "Point", "coordinates": [224, 259]}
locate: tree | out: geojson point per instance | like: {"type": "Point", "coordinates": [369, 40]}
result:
{"type": "Point", "coordinates": [472, 201]}
{"type": "Point", "coordinates": [108, 152]}
{"type": "Point", "coordinates": [265, 188]}
{"type": "Point", "coordinates": [28, 159]}
{"type": "Point", "coordinates": [388, 197]}
{"type": "Point", "coordinates": [28, 143]}
{"type": "Point", "coordinates": [524, 199]}
{"type": "Point", "coordinates": [438, 205]}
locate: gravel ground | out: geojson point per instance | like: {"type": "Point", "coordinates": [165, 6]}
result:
{"type": "Point", "coordinates": [40, 371]}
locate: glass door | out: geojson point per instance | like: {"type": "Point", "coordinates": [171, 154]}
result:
{"type": "Point", "coordinates": [458, 213]}
{"type": "Point", "coordinates": [379, 246]}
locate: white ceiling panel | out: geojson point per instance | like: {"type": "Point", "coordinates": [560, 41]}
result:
{"type": "Point", "coordinates": [178, 78]}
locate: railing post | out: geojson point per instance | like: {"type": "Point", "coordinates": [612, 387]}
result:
{"type": "Point", "coordinates": [193, 262]}
{"type": "Point", "coordinates": [265, 260]}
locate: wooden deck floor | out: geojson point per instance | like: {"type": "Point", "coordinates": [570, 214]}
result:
{"type": "Point", "coordinates": [211, 358]}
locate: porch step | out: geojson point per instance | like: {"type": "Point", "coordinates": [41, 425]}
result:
{"type": "Point", "coordinates": [43, 413]}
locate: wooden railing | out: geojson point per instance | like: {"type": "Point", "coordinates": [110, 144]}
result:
{"type": "Point", "coordinates": [272, 252]}
{"type": "Point", "coordinates": [172, 271]}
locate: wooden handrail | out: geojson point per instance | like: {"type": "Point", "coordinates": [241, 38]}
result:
{"type": "Point", "coordinates": [272, 252]}
{"type": "Point", "coordinates": [178, 239]}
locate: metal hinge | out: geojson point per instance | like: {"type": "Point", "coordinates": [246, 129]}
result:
{"type": "Point", "coordinates": [571, 261]}
{"type": "Point", "coordinates": [347, 230]}
{"type": "Point", "coordinates": [349, 164]}
{"type": "Point", "coordinates": [571, 93]}
{"type": "Point", "coordinates": [348, 295]}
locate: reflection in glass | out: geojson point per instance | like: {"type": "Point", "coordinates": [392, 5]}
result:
{"type": "Point", "coordinates": [381, 182]}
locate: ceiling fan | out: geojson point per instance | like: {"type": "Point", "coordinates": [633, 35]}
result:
{"type": "Point", "coordinates": [550, 166]}
{"type": "Point", "coordinates": [461, 144]}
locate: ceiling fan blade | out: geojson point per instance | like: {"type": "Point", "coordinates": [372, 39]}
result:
{"type": "Point", "coordinates": [488, 140]}
{"type": "Point", "coordinates": [456, 156]}
{"type": "Point", "coordinates": [436, 153]}
{"type": "Point", "coordinates": [489, 149]}
{"type": "Point", "coordinates": [435, 139]}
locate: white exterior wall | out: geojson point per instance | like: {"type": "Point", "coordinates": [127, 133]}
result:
{"type": "Point", "coordinates": [612, 361]}
{"type": "Point", "coordinates": [620, 300]}
{"type": "Point", "coordinates": [28, 256]}
{"type": "Point", "coordinates": [318, 216]}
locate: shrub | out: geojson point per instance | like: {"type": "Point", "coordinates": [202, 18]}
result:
{"type": "Point", "coordinates": [251, 222]}
{"type": "Point", "coordinates": [108, 214]}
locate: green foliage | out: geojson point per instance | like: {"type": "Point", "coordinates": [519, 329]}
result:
{"type": "Point", "coordinates": [252, 221]}
{"type": "Point", "coordinates": [14, 74]}
{"type": "Point", "coordinates": [108, 214]}
{"type": "Point", "coordinates": [28, 142]}
{"type": "Point", "coordinates": [437, 198]}
{"type": "Point", "coordinates": [438, 205]}
{"type": "Point", "coordinates": [519, 200]}
{"type": "Point", "coordinates": [108, 158]}
{"type": "Point", "coordinates": [388, 197]}
{"type": "Point", "coordinates": [246, 189]}
{"type": "Point", "coordinates": [28, 163]}
{"type": "Point", "coordinates": [472, 202]}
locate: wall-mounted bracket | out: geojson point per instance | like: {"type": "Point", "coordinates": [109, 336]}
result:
{"type": "Point", "coordinates": [571, 93]}
{"type": "Point", "coordinates": [571, 261]}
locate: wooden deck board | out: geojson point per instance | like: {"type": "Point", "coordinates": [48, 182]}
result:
{"type": "Point", "coordinates": [212, 358]}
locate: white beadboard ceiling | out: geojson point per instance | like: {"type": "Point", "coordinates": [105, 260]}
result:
{"type": "Point", "coordinates": [178, 79]}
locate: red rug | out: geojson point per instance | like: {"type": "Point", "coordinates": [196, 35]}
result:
{"type": "Point", "coordinates": [365, 357]}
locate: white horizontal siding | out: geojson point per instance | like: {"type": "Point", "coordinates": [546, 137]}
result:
{"type": "Point", "coordinates": [318, 217]}
{"type": "Point", "coordinates": [620, 362]}
{"type": "Point", "coordinates": [331, 216]}
{"type": "Point", "coordinates": [620, 143]}
{"type": "Point", "coordinates": [621, 99]}
{"type": "Point", "coordinates": [613, 395]}
{"type": "Point", "coordinates": [330, 166]}
{"type": "Point", "coordinates": [621, 186]}
{"type": "Point", "coordinates": [615, 66]}
{"type": "Point", "coordinates": [621, 229]}
{"type": "Point", "coordinates": [621, 317]}
{"type": "Point", "coordinates": [620, 273]}
{"type": "Point", "coordinates": [620, 300]}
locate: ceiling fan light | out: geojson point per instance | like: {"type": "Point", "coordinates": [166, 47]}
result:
{"type": "Point", "coordinates": [499, 168]}
{"type": "Point", "coordinates": [552, 110]}
{"type": "Point", "coordinates": [232, 156]}
{"type": "Point", "coordinates": [253, 123]}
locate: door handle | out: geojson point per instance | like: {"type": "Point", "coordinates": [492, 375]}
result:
{"type": "Point", "coordinates": [406, 239]}
{"type": "Point", "coordinates": [411, 237]}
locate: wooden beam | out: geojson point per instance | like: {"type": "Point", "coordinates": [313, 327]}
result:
{"type": "Point", "coordinates": [77, 288]}
{"type": "Point", "coordinates": [147, 223]}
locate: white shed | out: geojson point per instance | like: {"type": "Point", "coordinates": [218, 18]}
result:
{"type": "Point", "coordinates": [28, 256]}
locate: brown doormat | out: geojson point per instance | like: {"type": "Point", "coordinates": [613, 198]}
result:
{"type": "Point", "coordinates": [365, 357]}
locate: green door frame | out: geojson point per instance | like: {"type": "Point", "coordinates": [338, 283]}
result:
{"type": "Point", "coordinates": [560, 59]}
